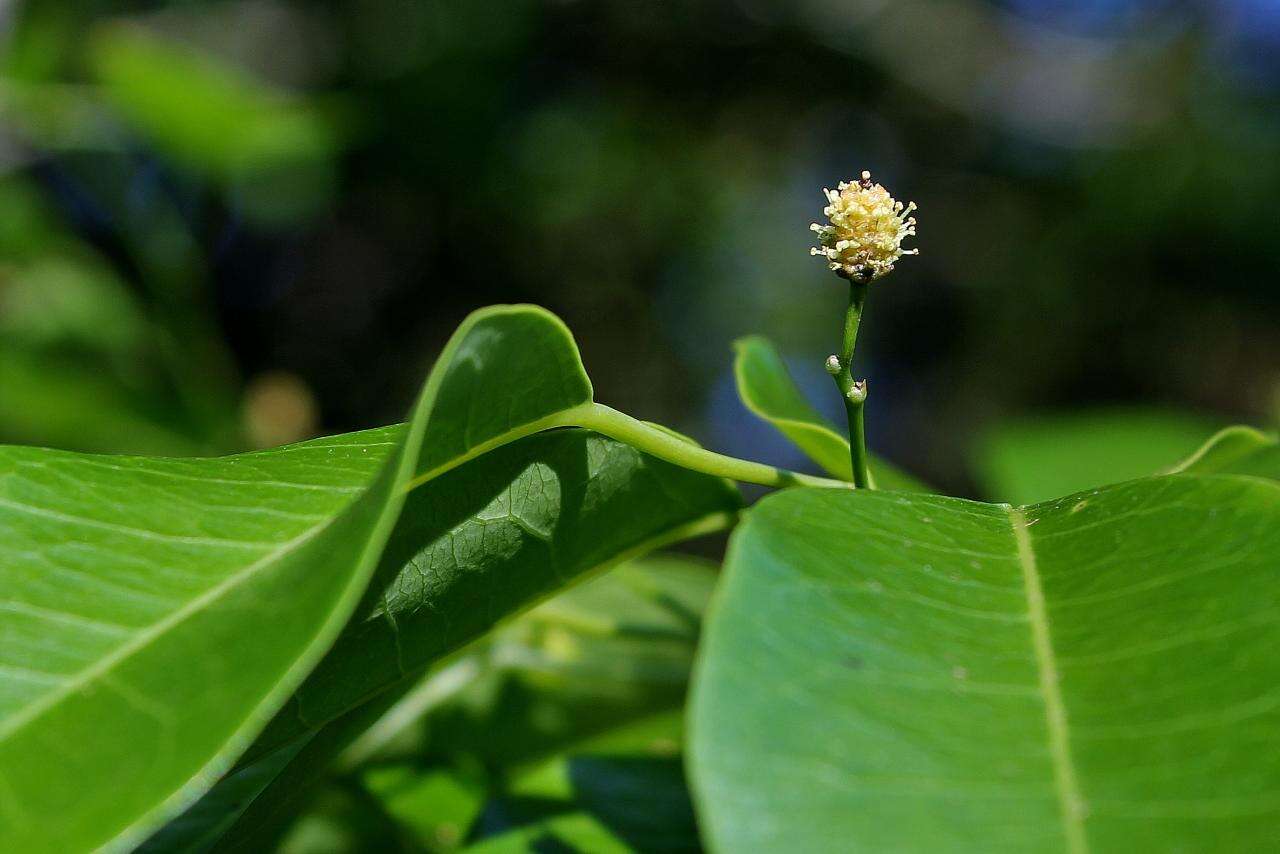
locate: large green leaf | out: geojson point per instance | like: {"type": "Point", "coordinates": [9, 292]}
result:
{"type": "Point", "coordinates": [1041, 457]}
{"type": "Point", "coordinates": [155, 613]}
{"type": "Point", "coordinates": [497, 522]}
{"type": "Point", "coordinates": [768, 391]}
{"type": "Point", "coordinates": [480, 543]}
{"type": "Point", "coordinates": [908, 673]}
{"type": "Point", "coordinates": [493, 537]}
{"type": "Point", "coordinates": [176, 604]}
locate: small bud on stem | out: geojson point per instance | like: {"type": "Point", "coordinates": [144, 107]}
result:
{"type": "Point", "coordinates": [861, 244]}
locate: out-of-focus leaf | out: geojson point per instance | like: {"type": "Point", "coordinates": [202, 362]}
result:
{"type": "Point", "coordinates": [274, 149]}
{"type": "Point", "coordinates": [584, 666]}
{"type": "Point", "coordinates": [574, 709]}
{"type": "Point", "coordinates": [1095, 673]}
{"type": "Point", "coordinates": [1035, 459]}
{"type": "Point", "coordinates": [768, 391]}
{"type": "Point", "coordinates": [589, 804]}
{"type": "Point", "coordinates": [435, 806]}
{"type": "Point", "coordinates": [1236, 450]}
{"type": "Point", "coordinates": [61, 400]}
{"type": "Point", "coordinates": [65, 300]}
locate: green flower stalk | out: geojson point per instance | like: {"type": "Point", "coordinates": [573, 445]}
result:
{"type": "Point", "coordinates": [861, 243]}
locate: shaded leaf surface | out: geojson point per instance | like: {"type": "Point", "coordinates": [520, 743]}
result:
{"type": "Point", "coordinates": [495, 523]}
{"type": "Point", "coordinates": [178, 603]}
{"type": "Point", "coordinates": [567, 728]}
{"type": "Point", "coordinates": [492, 537]}
{"type": "Point", "coordinates": [884, 672]}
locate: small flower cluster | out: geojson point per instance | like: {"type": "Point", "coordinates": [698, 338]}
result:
{"type": "Point", "coordinates": [864, 239]}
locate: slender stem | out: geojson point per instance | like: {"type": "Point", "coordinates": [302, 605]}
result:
{"type": "Point", "coordinates": [854, 393]}
{"type": "Point", "coordinates": [673, 449]}
{"type": "Point", "coordinates": [852, 319]}
{"type": "Point", "coordinates": [645, 437]}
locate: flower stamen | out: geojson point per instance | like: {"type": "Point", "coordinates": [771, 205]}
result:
{"type": "Point", "coordinates": [867, 227]}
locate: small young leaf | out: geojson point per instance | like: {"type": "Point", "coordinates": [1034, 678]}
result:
{"type": "Point", "coordinates": [767, 390]}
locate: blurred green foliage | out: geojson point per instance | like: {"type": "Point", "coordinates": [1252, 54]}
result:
{"type": "Point", "coordinates": [564, 728]}
{"type": "Point", "coordinates": [1027, 460]}
{"type": "Point", "coordinates": [195, 195]}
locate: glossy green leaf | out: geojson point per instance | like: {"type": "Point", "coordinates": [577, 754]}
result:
{"type": "Point", "coordinates": [179, 603]}
{"type": "Point", "coordinates": [173, 605]}
{"type": "Point", "coordinates": [508, 372]}
{"type": "Point", "coordinates": [511, 371]}
{"type": "Point", "coordinates": [490, 538]}
{"type": "Point", "coordinates": [1236, 450]}
{"type": "Point", "coordinates": [1038, 458]}
{"type": "Point", "coordinates": [478, 544]}
{"type": "Point", "coordinates": [497, 522]}
{"type": "Point", "coordinates": [768, 391]}
{"type": "Point", "coordinates": [909, 673]}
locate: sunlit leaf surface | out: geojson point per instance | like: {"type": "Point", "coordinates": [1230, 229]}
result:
{"type": "Point", "coordinates": [1096, 673]}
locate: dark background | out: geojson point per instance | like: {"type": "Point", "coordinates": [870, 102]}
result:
{"type": "Point", "coordinates": [234, 224]}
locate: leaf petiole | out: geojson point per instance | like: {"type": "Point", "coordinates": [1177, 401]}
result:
{"type": "Point", "coordinates": [644, 437]}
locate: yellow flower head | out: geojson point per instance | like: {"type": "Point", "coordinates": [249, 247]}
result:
{"type": "Point", "coordinates": [864, 239]}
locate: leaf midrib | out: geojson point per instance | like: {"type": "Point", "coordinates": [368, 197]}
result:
{"type": "Point", "coordinates": [1066, 783]}
{"type": "Point", "coordinates": [146, 635]}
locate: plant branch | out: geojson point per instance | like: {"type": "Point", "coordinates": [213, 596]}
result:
{"type": "Point", "coordinates": [853, 392]}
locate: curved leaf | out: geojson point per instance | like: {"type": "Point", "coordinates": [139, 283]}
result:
{"type": "Point", "coordinates": [768, 391]}
{"type": "Point", "coordinates": [176, 604]}
{"type": "Point", "coordinates": [499, 519]}
{"type": "Point", "coordinates": [909, 673]}
{"type": "Point", "coordinates": [509, 371]}
{"type": "Point", "coordinates": [493, 537]}
{"type": "Point", "coordinates": [514, 370]}
{"type": "Point", "coordinates": [1236, 450]}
